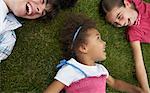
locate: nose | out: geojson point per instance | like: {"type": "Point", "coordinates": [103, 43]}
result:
{"type": "Point", "coordinates": [120, 23]}
{"type": "Point", "coordinates": [104, 42]}
{"type": "Point", "coordinates": [40, 8]}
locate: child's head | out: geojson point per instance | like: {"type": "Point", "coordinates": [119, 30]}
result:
{"type": "Point", "coordinates": [119, 12]}
{"type": "Point", "coordinates": [81, 38]}
{"type": "Point", "coordinates": [32, 9]}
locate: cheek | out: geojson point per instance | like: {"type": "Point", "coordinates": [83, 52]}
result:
{"type": "Point", "coordinates": [35, 16]}
{"type": "Point", "coordinates": [37, 1]}
{"type": "Point", "coordinates": [31, 17]}
{"type": "Point", "coordinates": [109, 19]}
{"type": "Point", "coordinates": [99, 50]}
{"type": "Point", "coordinates": [19, 11]}
{"type": "Point", "coordinates": [127, 14]}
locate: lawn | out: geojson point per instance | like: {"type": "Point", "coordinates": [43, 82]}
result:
{"type": "Point", "coordinates": [31, 66]}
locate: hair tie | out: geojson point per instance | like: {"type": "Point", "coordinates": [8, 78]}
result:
{"type": "Point", "coordinates": [75, 36]}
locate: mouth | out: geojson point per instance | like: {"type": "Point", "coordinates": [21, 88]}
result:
{"type": "Point", "coordinates": [104, 50]}
{"type": "Point", "coordinates": [29, 8]}
{"type": "Point", "coordinates": [129, 22]}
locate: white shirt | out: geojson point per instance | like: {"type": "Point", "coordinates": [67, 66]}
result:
{"type": "Point", "coordinates": [7, 21]}
{"type": "Point", "coordinates": [68, 74]}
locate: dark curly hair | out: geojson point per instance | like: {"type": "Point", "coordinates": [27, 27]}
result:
{"type": "Point", "coordinates": [68, 31]}
{"type": "Point", "coordinates": [56, 5]}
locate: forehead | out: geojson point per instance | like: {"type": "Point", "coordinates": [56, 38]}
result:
{"type": "Point", "coordinates": [92, 32]}
{"type": "Point", "coordinates": [112, 15]}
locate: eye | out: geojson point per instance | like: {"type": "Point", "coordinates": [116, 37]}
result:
{"type": "Point", "coordinates": [99, 38]}
{"type": "Point", "coordinates": [43, 13]}
{"type": "Point", "coordinates": [119, 17]}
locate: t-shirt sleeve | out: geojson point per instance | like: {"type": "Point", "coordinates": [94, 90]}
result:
{"type": "Point", "coordinates": [133, 34]}
{"type": "Point", "coordinates": [65, 75]}
{"type": "Point", "coordinates": [104, 71]}
{"type": "Point", "coordinates": [137, 2]}
{"type": "Point", "coordinates": [3, 11]}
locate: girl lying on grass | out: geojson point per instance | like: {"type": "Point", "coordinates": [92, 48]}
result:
{"type": "Point", "coordinates": [79, 73]}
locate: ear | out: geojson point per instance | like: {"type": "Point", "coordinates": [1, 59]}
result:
{"type": "Point", "coordinates": [127, 3]}
{"type": "Point", "coordinates": [83, 48]}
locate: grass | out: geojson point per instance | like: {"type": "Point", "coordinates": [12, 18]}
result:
{"type": "Point", "coordinates": [31, 66]}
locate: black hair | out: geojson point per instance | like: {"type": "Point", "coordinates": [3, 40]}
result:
{"type": "Point", "coordinates": [107, 5]}
{"type": "Point", "coordinates": [57, 5]}
{"type": "Point", "coordinates": [71, 25]}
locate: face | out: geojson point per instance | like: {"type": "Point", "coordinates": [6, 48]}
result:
{"type": "Point", "coordinates": [29, 9]}
{"type": "Point", "coordinates": [95, 45]}
{"type": "Point", "coordinates": [123, 16]}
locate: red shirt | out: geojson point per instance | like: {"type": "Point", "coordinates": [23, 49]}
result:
{"type": "Point", "coordinates": [140, 31]}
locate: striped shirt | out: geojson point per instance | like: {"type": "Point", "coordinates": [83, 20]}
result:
{"type": "Point", "coordinates": [8, 23]}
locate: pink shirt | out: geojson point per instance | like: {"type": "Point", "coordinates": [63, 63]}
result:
{"type": "Point", "coordinates": [140, 31]}
{"type": "Point", "coordinates": [88, 85]}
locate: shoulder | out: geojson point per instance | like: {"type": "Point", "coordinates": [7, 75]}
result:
{"type": "Point", "coordinates": [133, 29]}
{"type": "Point", "coordinates": [3, 9]}
{"type": "Point", "coordinates": [102, 69]}
{"type": "Point", "coordinates": [134, 34]}
{"type": "Point", "coordinates": [66, 75]}
{"type": "Point", "coordinates": [137, 2]}
{"type": "Point", "coordinates": [66, 69]}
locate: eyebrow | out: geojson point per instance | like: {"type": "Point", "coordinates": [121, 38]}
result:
{"type": "Point", "coordinates": [97, 34]}
{"type": "Point", "coordinates": [118, 14]}
{"type": "Point", "coordinates": [115, 23]}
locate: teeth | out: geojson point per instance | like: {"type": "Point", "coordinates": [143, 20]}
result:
{"type": "Point", "coordinates": [29, 9]}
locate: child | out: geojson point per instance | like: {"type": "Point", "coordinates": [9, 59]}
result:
{"type": "Point", "coordinates": [83, 47]}
{"type": "Point", "coordinates": [135, 14]}
{"type": "Point", "coordinates": [29, 9]}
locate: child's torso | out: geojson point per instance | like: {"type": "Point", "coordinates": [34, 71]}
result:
{"type": "Point", "coordinates": [88, 85]}
{"type": "Point", "coordinates": [141, 30]}
{"type": "Point", "coordinates": [82, 78]}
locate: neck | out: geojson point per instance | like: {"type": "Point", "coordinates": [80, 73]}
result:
{"type": "Point", "coordinates": [8, 3]}
{"type": "Point", "coordinates": [85, 60]}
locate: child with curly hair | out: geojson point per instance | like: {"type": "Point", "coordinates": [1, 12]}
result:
{"type": "Point", "coordinates": [79, 73]}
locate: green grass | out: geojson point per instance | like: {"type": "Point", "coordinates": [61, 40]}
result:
{"type": "Point", "coordinates": [31, 66]}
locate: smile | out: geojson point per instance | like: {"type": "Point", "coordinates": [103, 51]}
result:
{"type": "Point", "coordinates": [29, 8]}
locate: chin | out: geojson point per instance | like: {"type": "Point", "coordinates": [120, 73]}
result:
{"type": "Point", "coordinates": [102, 59]}
{"type": "Point", "coordinates": [17, 14]}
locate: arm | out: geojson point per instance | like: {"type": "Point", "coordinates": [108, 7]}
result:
{"type": "Point", "coordinates": [55, 87]}
{"type": "Point", "coordinates": [139, 66]}
{"type": "Point", "coordinates": [123, 86]}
